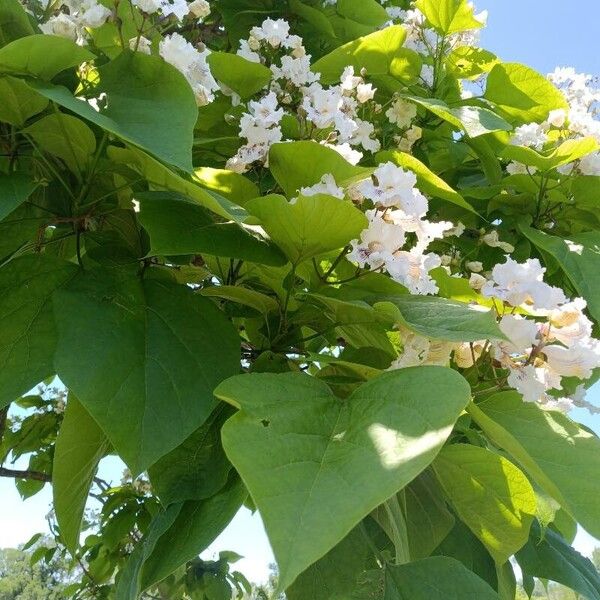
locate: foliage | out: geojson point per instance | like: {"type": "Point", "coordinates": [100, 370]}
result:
{"type": "Point", "coordinates": [326, 259]}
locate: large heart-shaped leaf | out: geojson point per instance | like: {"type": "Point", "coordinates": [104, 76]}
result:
{"type": "Point", "coordinates": [316, 465]}
{"type": "Point", "coordinates": [19, 101]}
{"type": "Point", "coordinates": [560, 455]}
{"type": "Point", "coordinates": [42, 56]}
{"type": "Point", "coordinates": [140, 356]}
{"type": "Point", "coordinates": [27, 331]}
{"type": "Point", "coordinates": [381, 53]}
{"type": "Point", "coordinates": [522, 93]}
{"type": "Point", "coordinates": [138, 93]}
{"type": "Point", "coordinates": [79, 447]}
{"type": "Point", "coordinates": [490, 494]}
{"type": "Point", "coordinates": [311, 226]}
{"type": "Point", "coordinates": [449, 16]}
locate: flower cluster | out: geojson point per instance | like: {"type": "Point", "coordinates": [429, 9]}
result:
{"type": "Point", "coordinates": [397, 218]}
{"type": "Point", "coordinates": [328, 114]}
{"type": "Point", "coordinates": [191, 62]}
{"type": "Point", "coordinates": [72, 19]}
{"type": "Point", "coordinates": [540, 351]}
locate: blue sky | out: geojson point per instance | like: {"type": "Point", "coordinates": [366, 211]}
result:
{"type": "Point", "coordinates": [541, 33]}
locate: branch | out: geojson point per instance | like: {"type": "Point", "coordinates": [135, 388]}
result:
{"type": "Point", "coordinates": [16, 474]}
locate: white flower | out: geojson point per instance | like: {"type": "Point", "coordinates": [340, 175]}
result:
{"type": "Point", "coordinates": [177, 51]}
{"type": "Point", "coordinates": [401, 113]}
{"type": "Point", "coordinates": [517, 168]}
{"type": "Point", "coordinates": [466, 354]}
{"type": "Point", "coordinates": [246, 52]}
{"type": "Point", "coordinates": [523, 283]}
{"type": "Point", "coordinates": [531, 382]}
{"type": "Point", "coordinates": [393, 186]}
{"type": "Point", "coordinates": [143, 45]}
{"type": "Point", "coordinates": [362, 136]}
{"type": "Point", "coordinates": [199, 8]}
{"type": "Point", "coordinates": [346, 150]}
{"type": "Point", "coordinates": [477, 281]}
{"type": "Point", "coordinates": [296, 70]}
{"type": "Point", "coordinates": [148, 6]}
{"type": "Point", "coordinates": [322, 105]}
{"type": "Point", "coordinates": [531, 134]}
{"type": "Point", "coordinates": [275, 33]}
{"type": "Point", "coordinates": [590, 164]}
{"type": "Point", "coordinates": [577, 361]}
{"type": "Point", "coordinates": [62, 25]}
{"type": "Point", "coordinates": [95, 15]}
{"type": "Point", "coordinates": [522, 333]}
{"type": "Point", "coordinates": [557, 117]}
{"type": "Point", "coordinates": [412, 268]}
{"type": "Point", "coordinates": [365, 92]}
{"type": "Point", "coordinates": [348, 81]}
{"type": "Point", "coordinates": [475, 266]}
{"type": "Point", "coordinates": [178, 8]}
{"type": "Point", "coordinates": [266, 111]}
{"type": "Point", "coordinates": [326, 185]}
{"type": "Point", "coordinates": [492, 239]}
{"type": "Point", "coordinates": [378, 242]}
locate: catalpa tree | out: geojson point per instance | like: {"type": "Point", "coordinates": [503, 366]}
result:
{"type": "Point", "coordinates": [326, 259]}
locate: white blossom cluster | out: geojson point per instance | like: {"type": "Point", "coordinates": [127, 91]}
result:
{"type": "Point", "coordinates": [397, 221]}
{"type": "Point", "coordinates": [72, 18]}
{"type": "Point", "coordinates": [191, 62]}
{"type": "Point", "coordinates": [330, 114]}
{"type": "Point", "coordinates": [580, 120]}
{"type": "Point", "coordinates": [548, 338]}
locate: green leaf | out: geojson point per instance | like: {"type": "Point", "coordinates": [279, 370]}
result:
{"type": "Point", "coordinates": [244, 77]}
{"type": "Point", "coordinates": [66, 137]}
{"type": "Point", "coordinates": [335, 575]}
{"type": "Point", "coordinates": [468, 62]}
{"type": "Point", "coordinates": [367, 12]}
{"type": "Point", "coordinates": [27, 331]}
{"type": "Point", "coordinates": [43, 56]}
{"type": "Point", "coordinates": [146, 346]}
{"type": "Point", "coordinates": [559, 455]}
{"type": "Point", "coordinates": [578, 258]}
{"type": "Point", "coordinates": [311, 226]}
{"type": "Point", "coordinates": [302, 164]}
{"type": "Point", "coordinates": [473, 120]}
{"type": "Point", "coordinates": [427, 181]}
{"type": "Point", "coordinates": [465, 547]}
{"type": "Point", "coordinates": [449, 16]}
{"type": "Point", "coordinates": [79, 447]}
{"type": "Point", "coordinates": [522, 93]}
{"type": "Point", "coordinates": [15, 188]}
{"type": "Point", "coordinates": [19, 101]}
{"type": "Point", "coordinates": [231, 187]}
{"type": "Point", "coordinates": [179, 226]}
{"type": "Point", "coordinates": [440, 318]}
{"type": "Point", "coordinates": [140, 91]}
{"type": "Point", "coordinates": [14, 22]}
{"type": "Point", "coordinates": [196, 527]}
{"type": "Point", "coordinates": [428, 521]}
{"type": "Point", "coordinates": [381, 53]}
{"type": "Point", "coordinates": [313, 16]}
{"type": "Point", "coordinates": [261, 302]}
{"type": "Point", "coordinates": [548, 556]}
{"type": "Point", "coordinates": [567, 152]}
{"type": "Point", "coordinates": [129, 584]}
{"type": "Point", "coordinates": [306, 455]}
{"type": "Point", "coordinates": [490, 494]}
{"type": "Point", "coordinates": [197, 468]}
{"type": "Point", "coordinates": [435, 578]}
